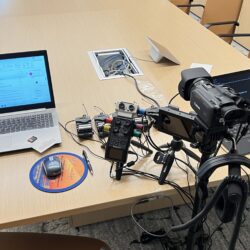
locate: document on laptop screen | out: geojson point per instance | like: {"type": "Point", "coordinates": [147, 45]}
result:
{"type": "Point", "coordinates": [23, 81]}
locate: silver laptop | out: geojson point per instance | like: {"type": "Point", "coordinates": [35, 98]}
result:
{"type": "Point", "coordinates": [28, 117]}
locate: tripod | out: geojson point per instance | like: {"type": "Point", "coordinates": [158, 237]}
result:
{"type": "Point", "coordinates": [233, 204]}
{"type": "Point", "coordinates": [229, 199]}
{"type": "Point", "coordinates": [168, 158]}
{"type": "Point", "coordinates": [233, 186]}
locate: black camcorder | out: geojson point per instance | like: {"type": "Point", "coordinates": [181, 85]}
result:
{"type": "Point", "coordinates": [216, 109]}
{"type": "Point", "coordinates": [215, 106]}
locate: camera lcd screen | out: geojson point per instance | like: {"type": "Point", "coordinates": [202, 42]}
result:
{"type": "Point", "coordinates": [176, 123]}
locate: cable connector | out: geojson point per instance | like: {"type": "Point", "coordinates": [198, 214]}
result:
{"type": "Point", "coordinates": [130, 164]}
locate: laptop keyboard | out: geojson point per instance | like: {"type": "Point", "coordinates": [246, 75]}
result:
{"type": "Point", "coordinates": [38, 121]}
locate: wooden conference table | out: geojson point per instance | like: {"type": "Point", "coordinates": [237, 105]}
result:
{"type": "Point", "coordinates": [68, 30]}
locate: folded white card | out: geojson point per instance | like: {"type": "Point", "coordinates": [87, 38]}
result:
{"type": "Point", "coordinates": [157, 52]}
{"type": "Point", "coordinates": [42, 146]}
{"type": "Point", "coordinates": [207, 67]}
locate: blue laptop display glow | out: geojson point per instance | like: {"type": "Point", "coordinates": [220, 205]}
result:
{"type": "Point", "coordinates": [23, 81]}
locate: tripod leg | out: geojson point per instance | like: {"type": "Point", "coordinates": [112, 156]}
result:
{"type": "Point", "coordinates": [118, 170]}
{"type": "Point", "coordinates": [195, 233]}
{"type": "Point", "coordinates": [191, 154]}
{"type": "Point", "coordinates": [166, 167]}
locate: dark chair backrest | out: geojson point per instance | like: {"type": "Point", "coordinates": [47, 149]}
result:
{"type": "Point", "coordinates": [39, 241]}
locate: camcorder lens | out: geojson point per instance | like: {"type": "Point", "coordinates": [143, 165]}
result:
{"type": "Point", "coordinates": [233, 114]}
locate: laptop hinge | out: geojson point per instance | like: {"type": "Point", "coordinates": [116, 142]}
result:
{"type": "Point", "coordinates": [23, 112]}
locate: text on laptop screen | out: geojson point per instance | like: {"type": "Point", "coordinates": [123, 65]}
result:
{"type": "Point", "coordinates": [239, 81]}
{"type": "Point", "coordinates": [23, 81]}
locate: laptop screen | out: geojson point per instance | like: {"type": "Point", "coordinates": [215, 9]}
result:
{"type": "Point", "coordinates": [25, 82]}
{"type": "Point", "coordinates": [239, 81]}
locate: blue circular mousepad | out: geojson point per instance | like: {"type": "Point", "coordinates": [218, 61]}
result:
{"type": "Point", "coordinates": [74, 171]}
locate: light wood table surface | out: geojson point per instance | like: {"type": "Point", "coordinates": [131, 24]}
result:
{"type": "Point", "coordinates": [68, 30]}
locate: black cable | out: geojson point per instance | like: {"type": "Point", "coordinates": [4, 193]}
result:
{"type": "Point", "coordinates": [238, 132]}
{"type": "Point", "coordinates": [208, 229]}
{"type": "Point", "coordinates": [179, 189]}
{"type": "Point", "coordinates": [174, 185]}
{"type": "Point", "coordinates": [135, 151]}
{"type": "Point", "coordinates": [152, 143]}
{"type": "Point", "coordinates": [80, 144]}
{"type": "Point", "coordinates": [146, 151]}
{"type": "Point", "coordinates": [248, 178]}
{"type": "Point", "coordinates": [238, 217]}
{"type": "Point", "coordinates": [137, 88]}
{"type": "Point", "coordinates": [173, 98]}
{"type": "Point", "coordinates": [97, 107]}
{"type": "Point", "coordinates": [218, 147]}
{"type": "Point", "coordinates": [215, 230]}
{"type": "Point", "coordinates": [144, 174]}
{"type": "Point", "coordinates": [211, 203]}
{"type": "Point", "coordinates": [142, 151]}
{"type": "Point", "coordinates": [188, 165]}
{"type": "Point", "coordinates": [243, 133]}
{"type": "Point", "coordinates": [145, 200]}
{"type": "Point", "coordinates": [146, 141]}
{"type": "Point", "coordinates": [181, 192]}
{"type": "Point", "coordinates": [131, 163]}
{"type": "Point", "coordinates": [110, 170]}
{"type": "Point", "coordinates": [186, 172]}
{"type": "Point", "coordinates": [68, 131]}
{"type": "Point", "coordinates": [205, 210]}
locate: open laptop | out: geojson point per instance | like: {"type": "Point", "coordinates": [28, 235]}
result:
{"type": "Point", "coordinates": [240, 82]}
{"type": "Point", "coordinates": [28, 117]}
